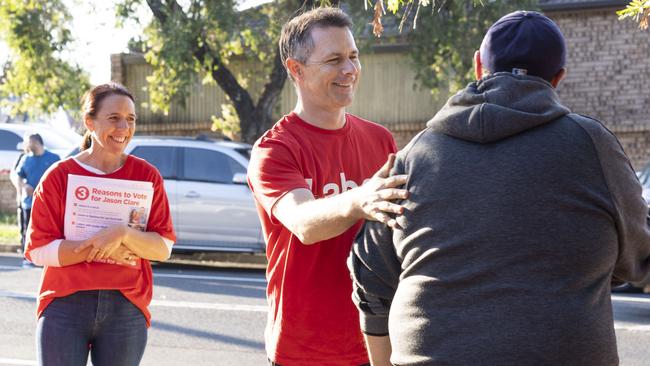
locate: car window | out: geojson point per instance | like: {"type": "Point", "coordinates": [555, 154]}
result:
{"type": "Point", "coordinates": [162, 157]}
{"type": "Point", "coordinates": [9, 140]}
{"type": "Point", "coordinates": [245, 152]}
{"type": "Point", "coordinates": [209, 166]}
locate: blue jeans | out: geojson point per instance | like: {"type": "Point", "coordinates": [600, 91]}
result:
{"type": "Point", "coordinates": [102, 322]}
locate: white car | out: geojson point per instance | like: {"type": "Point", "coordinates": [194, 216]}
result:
{"type": "Point", "coordinates": [212, 207]}
{"type": "Point", "coordinates": [11, 139]}
{"type": "Point", "coordinates": [644, 179]}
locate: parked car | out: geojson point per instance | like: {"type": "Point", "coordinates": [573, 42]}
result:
{"type": "Point", "coordinates": [11, 138]}
{"type": "Point", "coordinates": [212, 207]}
{"type": "Point", "coordinates": [644, 178]}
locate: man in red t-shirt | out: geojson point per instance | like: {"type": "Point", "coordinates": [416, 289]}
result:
{"type": "Point", "coordinates": [312, 177]}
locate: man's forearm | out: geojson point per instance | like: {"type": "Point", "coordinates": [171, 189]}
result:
{"type": "Point", "coordinates": [321, 219]}
{"type": "Point", "coordinates": [15, 180]}
{"type": "Point", "coordinates": [313, 220]}
{"type": "Point", "coordinates": [379, 350]}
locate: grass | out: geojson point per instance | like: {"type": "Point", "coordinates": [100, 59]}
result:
{"type": "Point", "coordinates": [9, 230]}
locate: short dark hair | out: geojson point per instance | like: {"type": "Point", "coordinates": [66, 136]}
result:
{"type": "Point", "coordinates": [91, 104]}
{"type": "Point", "coordinates": [295, 38]}
{"type": "Point", "coordinates": [36, 137]}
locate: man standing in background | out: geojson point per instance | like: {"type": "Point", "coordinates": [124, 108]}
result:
{"type": "Point", "coordinates": [27, 174]}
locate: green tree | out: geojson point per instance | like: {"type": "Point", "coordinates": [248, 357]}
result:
{"type": "Point", "coordinates": [212, 40]}
{"type": "Point", "coordinates": [36, 77]}
{"type": "Point", "coordinates": [441, 35]}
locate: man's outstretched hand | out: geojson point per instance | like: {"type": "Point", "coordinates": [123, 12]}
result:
{"type": "Point", "coordinates": [374, 197]}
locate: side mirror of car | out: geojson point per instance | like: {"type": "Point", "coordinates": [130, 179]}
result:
{"type": "Point", "coordinates": [239, 178]}
{"type": "Point", "coordinates": [20, 146]}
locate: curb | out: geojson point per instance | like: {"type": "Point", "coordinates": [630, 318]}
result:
{"type": "Point", "coordinates": [10, 248]}
{"type": "Point", "coordinates": [218, 259]}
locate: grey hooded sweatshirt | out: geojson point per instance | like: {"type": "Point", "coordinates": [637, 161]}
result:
{"type": "Point", "coordinates": [520, 215]}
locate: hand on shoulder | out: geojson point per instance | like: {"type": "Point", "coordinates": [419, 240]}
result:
{"type": "Point", "coordinates": [372, 200]}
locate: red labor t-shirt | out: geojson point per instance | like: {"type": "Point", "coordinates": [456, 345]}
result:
{"type": "Point", "coordinates": [47, 222]}
{"type": "Point", "coordinates": [311, 319]}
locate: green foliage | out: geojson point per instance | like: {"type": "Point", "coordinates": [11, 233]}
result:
{"type": "Point", "coordinates": [199, 37]}
{"type": "Point", "coordinates": [639, 10]}
{"type": "Point", "coordinates": [444, 41]}
{"type": "Point", "coordinates": [37, 77]}
{"type": "Point", "coordinates": [443, 35]}
{"type": "Point", "coordinates": [9, 230]}
{"type": "Point", "coordinates": [228, 123]}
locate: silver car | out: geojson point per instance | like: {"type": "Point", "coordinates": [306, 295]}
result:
{"type": "Point", "coordinates": [211, 204]}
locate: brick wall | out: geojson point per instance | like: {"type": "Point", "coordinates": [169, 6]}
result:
{"type": "Point", "coordinates": [174, 129]}
{"type": "Point", "coordinates": [404, 132]}
{"type": "Point", "coordinates": [608, 65]}
{"type": "Point", "coordinates": [7, 194]}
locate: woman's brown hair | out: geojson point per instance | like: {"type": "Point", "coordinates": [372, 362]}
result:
{"type": "Point", "coordinates": [91, 103]}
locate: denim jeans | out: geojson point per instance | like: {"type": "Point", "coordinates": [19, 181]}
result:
{"type": "Point", "coordinates": [102, 322]}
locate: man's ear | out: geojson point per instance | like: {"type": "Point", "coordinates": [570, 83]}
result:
{"type": "Point", "coordinates": [558, 77]}
{"type": "Point", "coordinates": [478, 66]}
{"type": "Point", "coordinates": [294, 67]}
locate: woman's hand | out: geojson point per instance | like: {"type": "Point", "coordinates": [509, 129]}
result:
{"type": "Point", "coordinates": [104, 243]}
{"type": "Point", "coordinates": [124, 255]}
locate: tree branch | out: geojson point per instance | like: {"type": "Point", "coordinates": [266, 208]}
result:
{"type": "Point", "coordinates": [274, 87]}
{"type": "Point", "coordinates": [220, 73]}
{"type": "Point", "coordinates": [157, 8]}
{"type": "Point", "coordinates": [227, 81]}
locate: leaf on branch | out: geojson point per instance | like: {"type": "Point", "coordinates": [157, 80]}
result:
{"type": "Point", "coordinates": [377, 27]}
{"type": "Point", "coordinates": [639, 10]}
{"type": "Point", "coordinates": [228, 124]}
{"type": "Point", "coordinates": [645, 17]}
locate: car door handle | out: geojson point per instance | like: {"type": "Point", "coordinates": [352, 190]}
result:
{"type": "Point", "coordinates": [192, 194]}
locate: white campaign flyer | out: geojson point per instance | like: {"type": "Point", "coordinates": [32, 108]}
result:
{"type": "Point", "coordinates": [94, 203]}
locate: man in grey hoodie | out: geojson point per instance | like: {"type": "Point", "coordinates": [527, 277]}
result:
{"type": "Point", "coordinates": [520, 214]}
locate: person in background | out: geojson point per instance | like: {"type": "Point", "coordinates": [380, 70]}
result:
{"type": "Point", "coordinates": [94, 294]}
{"type": "Point", "coordinates": [312, 178]}
{"type": "Point", "coordinates": [28, 172]}
{"type": "Point", "coordinates": [520, 216]}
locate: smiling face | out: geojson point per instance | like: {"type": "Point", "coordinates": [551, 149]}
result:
{"type": "Point", "coordinates": [113, 126]}
{"type": "Point", "coordinates": [329, 77]}
{"type": "Point", "coordinates": [135, 216]}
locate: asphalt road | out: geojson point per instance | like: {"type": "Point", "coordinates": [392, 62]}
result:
{"type": "Point", "coordinates": [216, 316]}
{"type": "Point", "coordinates": [200, 316]}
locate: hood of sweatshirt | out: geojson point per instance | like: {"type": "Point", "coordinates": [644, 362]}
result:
{"type": "Point", "coordinates": [498, 106]}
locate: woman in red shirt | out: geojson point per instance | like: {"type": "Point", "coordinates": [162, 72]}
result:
{"type": "Point", "coordinates": [94, 293]}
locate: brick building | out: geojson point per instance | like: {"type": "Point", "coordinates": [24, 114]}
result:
{"type": "Point", "coordinates": [608, 66]}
